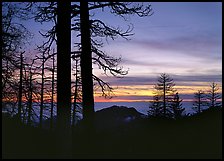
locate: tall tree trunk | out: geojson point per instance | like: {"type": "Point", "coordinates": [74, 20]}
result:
{"type": "Point", "coordinates": [52, 94]}
{"type": "Point", "coordinates": [64, 64]}
{"type": "Point", "coordinates": [87, 81]}
{"type": "Point", "coordinates": [30, 99]}
{"type": "Point", "coordinates": [86, 64]}
{"type": "Point", "coordinates": [64, 77]}
{"type": "Point", "coordinates": [20, 86]}
{"type": "Point", "coordinates": [42, 92]}
{"type": "Point", "coordinates": [76, 92]}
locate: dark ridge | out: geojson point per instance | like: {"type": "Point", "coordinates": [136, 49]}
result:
{"type": "Point", "coordinates": [194, 137]}
{"type": "Point", "coordinates": [116, 116]}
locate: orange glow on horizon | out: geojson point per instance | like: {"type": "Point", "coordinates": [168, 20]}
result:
{"type": "Point", "coordinates": [148, 91]}
{"type": "Point", "coordinates": [135, 93]}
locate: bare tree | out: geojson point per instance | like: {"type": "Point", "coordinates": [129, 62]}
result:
{"type": "Point", "coordinates": [77, 90]}
{"type": "Point", "coordinates": [86, 63]}
{"type": "Point", "coordinates": [30, 92]}
{"type": "Point", "coordinates": [63, 33]}
{"type": "Point", "coordinates": [14, 38]}
{"type": "Point", "coordinates": [52, 91]}
{"type": "Point", "coordinates": [42, 90]}
{"type": "Point", "coordinates": [64, 64]}
{"type": "Point", "coordinates": [20, 86]}
{"type": "Point", "coordinates": [47, 12]}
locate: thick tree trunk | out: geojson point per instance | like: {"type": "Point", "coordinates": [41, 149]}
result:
{"type": "Point", "coordinates": [86, 64]}
{"type": "Point", "coordinates": [87, 81]}
{"type": "Point", "coordinates": [64, 64]}
{"type": "Point", "coordinates": [64, 78]}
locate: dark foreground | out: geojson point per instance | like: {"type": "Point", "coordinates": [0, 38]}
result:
{"type": "Point", "coordinates": [194, 137]}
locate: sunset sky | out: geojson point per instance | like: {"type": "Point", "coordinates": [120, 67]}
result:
{"type": "Point", "coordinates": [181, 39]}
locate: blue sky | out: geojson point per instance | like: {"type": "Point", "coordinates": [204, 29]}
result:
{"type": "Point", "coordinates": [183, 39]}
{"type": "Point", "coordinates": [179, 38]}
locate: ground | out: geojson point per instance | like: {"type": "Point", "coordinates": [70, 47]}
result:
{"type": "Point", "coordinates": [194, 137]}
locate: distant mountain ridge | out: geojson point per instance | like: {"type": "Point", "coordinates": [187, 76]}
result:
{"type": "Point", "coordinates": [119, 111]}
{"type": "Point", "coordinates": [116, 116]}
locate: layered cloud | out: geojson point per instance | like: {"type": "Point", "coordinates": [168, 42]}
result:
{"type": "Point", "coordinates": [141, 88]}
{"type": "Point", "coordinates": [192, 80]}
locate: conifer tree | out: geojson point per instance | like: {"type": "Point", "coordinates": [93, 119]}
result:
{"type": "Point", "coordinates": [155, 109]}
{"type": "Point", "coordinates": [165, 90]}
{"type": "Point", "coordinates": [199, 101]}
{"type": "Point", "coordinates": [177, 106]}
{"type": "Point", "coordinates": [213, 96]}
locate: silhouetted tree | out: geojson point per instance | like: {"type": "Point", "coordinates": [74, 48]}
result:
{"type": "Point", "coordinates": [14, 38]}
{"type": "Point", "coordinates": [31, 89]}
{"type": "Point", "coordinates": [155, 109]}
{"type": "Point", "coordinates": [52, 91]}
{"type": "Point", "coordinates": [199, 101]}
{"type": "Point", "coordinates": [86, 63]}
{"type": "Point", "coordinates": [77, 90]}
{"type": "Point", "coordinates": [30, 93]}
{"type": "Point", "coordinates": [20, 86]}
{"type": "Point", "coordinates": [165, 90]}
{"type": "Point", "coordinates": [63, 31]}
{"type": "Point", "coordinates": [48, 12]}
{"type": "Point", "coordinates": [213, 96]}
{"type": "Point", "coordinates": [177, 106]}
{"type": "Point", "coordinates": [100, 29]}
{"type": "Point", "coordinates": [42, 90]}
